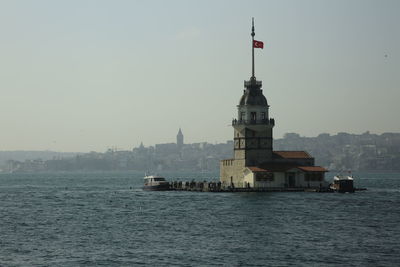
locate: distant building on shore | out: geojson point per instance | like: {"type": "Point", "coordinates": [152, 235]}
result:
{"type": "Point", "coordinates": [255, 164]}
{"type": "Point", "coordinates": [179, 139]}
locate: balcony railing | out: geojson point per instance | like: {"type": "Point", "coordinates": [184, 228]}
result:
{"type": "Point", "coordinates": [252, 82]}
{"type": "Point", "coordinates": [270, 121]}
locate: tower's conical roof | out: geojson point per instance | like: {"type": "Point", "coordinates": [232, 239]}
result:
{"type": "Point", "coordinates": [253, 94]}
{"type": "Point", "coordinates": [254, 98]}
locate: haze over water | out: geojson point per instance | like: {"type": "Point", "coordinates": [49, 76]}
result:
{"type": "Point", "coordinates": [105, 219]}
{"type": "Point", "coordinates": [84, 76]}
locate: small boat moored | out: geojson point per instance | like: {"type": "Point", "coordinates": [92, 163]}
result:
{"type": "Point", "coordinates": [343, 184]}
{"type": "Point", "coordinates": [155, 183]}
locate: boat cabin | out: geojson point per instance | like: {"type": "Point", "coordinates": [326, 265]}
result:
{"type": "Point", "coordinates": [153, 179]}
{"type": "Point", "coordinates": [343, 184]}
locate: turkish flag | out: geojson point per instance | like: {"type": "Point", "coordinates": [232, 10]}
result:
{"type": "Point", "coordinates": [258, 44]}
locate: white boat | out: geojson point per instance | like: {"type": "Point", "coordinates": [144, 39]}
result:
{"type": "Point", "coordinates": [155, 183]}
{"type": "Point", "coordinates": [343, 183]}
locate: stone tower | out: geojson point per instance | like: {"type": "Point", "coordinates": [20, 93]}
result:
{"type": "Point", "coordinates": [255, 164]}
{"type": "Point", "coordinates": [179, 139]}
{"type": "Point", "coordinates": [253, 127]}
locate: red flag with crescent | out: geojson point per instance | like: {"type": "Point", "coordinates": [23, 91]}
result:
{"type": "Point", "coordinates": [258, 44]}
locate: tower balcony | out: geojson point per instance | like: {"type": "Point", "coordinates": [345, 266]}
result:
{"type": "Point", "coordinates": [252, 83]}
{"type": "Point", "coordinates": [270, 121]}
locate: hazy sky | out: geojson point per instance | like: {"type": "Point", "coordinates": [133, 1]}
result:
{"type": "Point", "coordinates": [89, 75]}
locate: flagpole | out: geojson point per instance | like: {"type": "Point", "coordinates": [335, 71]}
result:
{"type": "Point", "coordinates": [252, 48]}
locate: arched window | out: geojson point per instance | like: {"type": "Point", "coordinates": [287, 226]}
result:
{"type": "Point", "coordinates": [253, 116]}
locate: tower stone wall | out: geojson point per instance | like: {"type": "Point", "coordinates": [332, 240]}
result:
{"type": "Point", "coordinates": [253, 127]}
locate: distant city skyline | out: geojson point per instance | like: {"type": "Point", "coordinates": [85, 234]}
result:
{"type": "Point", "coordinates": [79, 76]}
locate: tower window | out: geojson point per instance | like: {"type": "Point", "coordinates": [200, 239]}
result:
{"type": "Point", "coordinates": [263, 115]}
{"type": "Point", "coordinates": [242, 115]}
{"type": "Point", "coordinates": [253, 116]}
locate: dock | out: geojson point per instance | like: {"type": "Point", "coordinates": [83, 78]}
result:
{"type": "Point", "coordinates": [205, 186]}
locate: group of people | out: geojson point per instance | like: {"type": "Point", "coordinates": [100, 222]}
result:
{"type": "Point", "coordinates": [193, 185]}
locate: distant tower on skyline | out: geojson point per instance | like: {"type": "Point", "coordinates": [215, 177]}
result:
{"type": "Point", "coordinates": [179, 139]}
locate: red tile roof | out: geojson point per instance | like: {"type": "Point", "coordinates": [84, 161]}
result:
{"type": "Point", "coordinates": [285, 167]}
{"type": "Point", "coordinates": [312, 169]}
{"type": "Point", "coordinates": [272, 167]}
{"type": "Point", "coordinates": [256, 169]}
{"type": "Point", "coordinates": [293, 154]}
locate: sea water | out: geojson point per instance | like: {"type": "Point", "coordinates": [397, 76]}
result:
{"type": "Point", "coordinates": [105, 219]}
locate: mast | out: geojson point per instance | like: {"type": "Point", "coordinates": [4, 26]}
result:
{"type": "Point", "coordinates": [252, 49]}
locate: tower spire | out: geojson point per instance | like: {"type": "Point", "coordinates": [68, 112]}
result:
{"type": "Point", "coordinates": [252, 49]}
